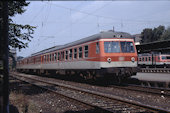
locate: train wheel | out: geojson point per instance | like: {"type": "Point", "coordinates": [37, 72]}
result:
{"type": "Point", "coordinates": [164, 66]}
{"type": "Point", "coordinates": [93, 73]}
{"type": "Point", "coordinates": [119, 80]}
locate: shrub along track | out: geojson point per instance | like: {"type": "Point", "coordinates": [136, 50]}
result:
{"type": "Point", "coordinates": [98, 100]}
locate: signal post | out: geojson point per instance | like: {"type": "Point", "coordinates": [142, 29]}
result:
{"type": "Point", "coordinates": [4, 71]}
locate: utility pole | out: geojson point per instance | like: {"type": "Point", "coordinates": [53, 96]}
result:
{"type": "Point", "coordinates": [4, 53]}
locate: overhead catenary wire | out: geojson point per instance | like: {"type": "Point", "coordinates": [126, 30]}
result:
{"type": "Point", "coordinates": [97, 16]}
{"type": "Point", "coordinates": [84, 17]}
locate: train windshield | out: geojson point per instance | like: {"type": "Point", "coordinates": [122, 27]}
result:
{"type": "Point", "coordinates": [114, 47]}
{"type": "Point", "coordinates": [127, 47]}
{"type": "Point", "coordinates": [165, 57]}
{"type": "Point", "coordinates": [111, 47]}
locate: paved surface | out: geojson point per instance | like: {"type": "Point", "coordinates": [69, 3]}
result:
{"type": "Point", "coordinates": [162, 77]}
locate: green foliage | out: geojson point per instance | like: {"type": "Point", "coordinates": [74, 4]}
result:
{"type": "Point", "coordinates": [156, 34]}
{"type": "Point", "coordinates": [18, 39]}
{"type": "Point", "coordinates": [166, 34]}
{"type": "Point", "coordinates": [19, 35]}
{"type": "Point", "coordinates": [146, 35]}
{"type": "Point", "coordinates": [16, 7]}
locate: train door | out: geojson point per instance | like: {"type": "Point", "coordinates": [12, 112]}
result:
{"type": "Point", "coordinates": [153, 60]}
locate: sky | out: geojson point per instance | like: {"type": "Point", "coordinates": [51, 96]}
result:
{"type": "Point", "coordinates": [61, 22]}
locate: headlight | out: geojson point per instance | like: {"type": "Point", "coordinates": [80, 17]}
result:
{"type": "Point", "coordinates": [109, 60]}
{"type": "Point", "coordinates": [133, 59]}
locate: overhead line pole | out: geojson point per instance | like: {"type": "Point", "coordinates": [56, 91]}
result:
{"type": "Point", "coordinates": [4, 54]}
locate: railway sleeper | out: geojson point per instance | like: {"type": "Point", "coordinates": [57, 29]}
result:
{"type": "Point", "coordinates": [155, 84]}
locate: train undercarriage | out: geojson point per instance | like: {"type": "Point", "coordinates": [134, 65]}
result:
{"type": "Point", "coordinates": [118, 74]}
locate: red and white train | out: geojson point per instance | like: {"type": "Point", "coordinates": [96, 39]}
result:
{"type": "Point", "coordinates": [154, 60]}
{"type": "Point", "coordinates": [104, 54]}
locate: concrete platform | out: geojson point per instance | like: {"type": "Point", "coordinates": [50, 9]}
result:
{"type": "Point", "coordinates": [160, 77]}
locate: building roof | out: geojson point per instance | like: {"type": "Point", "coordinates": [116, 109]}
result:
{"type": "Point", "coordinates": [159, 46]}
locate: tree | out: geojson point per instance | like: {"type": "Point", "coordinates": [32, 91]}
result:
{"type": "Point", "coordinates": [19, 35]}
{"type": "Point", "coordinates": [150, 35]}
{"type": "Point", "coordinates": [166, 34]}
{"type": "Point", "coordinates": [146, 35]}
{"type": "Point", "coordinates": [157, 33]}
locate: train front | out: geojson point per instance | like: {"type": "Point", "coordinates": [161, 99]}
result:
{"type": "Point", "coordinates": [118, 56]}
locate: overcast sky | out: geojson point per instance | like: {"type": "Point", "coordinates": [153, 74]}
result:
{"type": "Point", "coordinates": [60, 22]}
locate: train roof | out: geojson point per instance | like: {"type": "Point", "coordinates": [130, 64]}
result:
{"type": "Point", "coordinates": [149, 54]}
{"type": "Point", "coordinates": [101, 35]}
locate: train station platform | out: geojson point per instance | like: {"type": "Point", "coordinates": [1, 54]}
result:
{"type": "Point", "coordinates": [157, 77]}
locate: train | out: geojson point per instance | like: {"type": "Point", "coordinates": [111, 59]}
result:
{"type": "Point", "coordinates": [105, 54]}
{"type": "Point", "coordinates": [155, 60]}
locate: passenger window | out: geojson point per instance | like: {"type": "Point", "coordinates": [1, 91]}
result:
{"type": "Point", "coordinates": [86, 51]}
{"type": "Point", "coordinates": [149, 58]}
{"type": "Point", "coordinates": [80, 52]}
{"type": "Point", "coordinates": [66, 55]}
{"type": "Point", "coordinates": [50, 57]}
{"type": "Point", "coordinates": [97, 48]}
{"type": "Point", "coordinates": [55, 56]}
{"type": "Point", "coordinates": [44, 58]}
{"type": "Point", "coordinates": [62, 55]}
{"type": "Point", "coordinates": [70, 54]}
{"type": "Point", "coordinates": [47, 58]}
{"type": "Point", "coordinates": [146, 59]}
{"type": "Point", "coordinates": [142, 58]}
{"type": "Point", "coordinates": [58, 56]}
{"type": "Point", "coordinates": [75, 53]}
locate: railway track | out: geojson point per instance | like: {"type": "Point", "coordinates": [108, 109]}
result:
{"type": "Point", "coordinates": [149, 90]}
{"type": "Point", "coordinates": [155, 70]}
{"type": "Point", "coordinates": [104, 102]}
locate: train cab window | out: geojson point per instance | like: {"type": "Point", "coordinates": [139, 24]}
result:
{"type": "Point", "coordinates": [86, 51]}
{"type": "Point", "coordinates": [70, 54]}
{"type": "Point", "coordinates": [111, 47]}
{"type": "Point", "coordinates": [66, 55]}
{"type": "Point", "coordinates": [80, 52]}
{"type": "Point", "coordinates": [97, 48]}
{"type": "Point", "coordinates": [127, 47]}
{"type": "Point", "coordinates": [75, 53]}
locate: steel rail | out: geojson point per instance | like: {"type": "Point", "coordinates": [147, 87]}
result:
{"type": "Point", "coordinates": [68, 97]}
{"type": "Point", "coordinates": [157, 91]}
{"type": "Point", "coordinates": [134, 103]}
